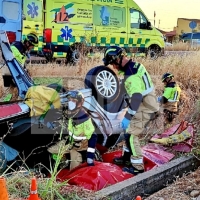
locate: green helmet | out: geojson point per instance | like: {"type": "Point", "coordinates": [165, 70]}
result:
{"type": "Point", "coordinates": [167, 75]}
{"type": "Point", "coordinates": [32, 39]}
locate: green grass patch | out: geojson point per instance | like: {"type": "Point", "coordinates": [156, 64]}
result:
{"type": "Point", "coordinates": [47, 80]}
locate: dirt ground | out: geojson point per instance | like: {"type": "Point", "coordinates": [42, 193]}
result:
{"type": "Point", "coordinates": [185, 188]}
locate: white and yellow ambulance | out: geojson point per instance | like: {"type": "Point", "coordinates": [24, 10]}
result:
{"type": "Point", "coordinates": [60, 24]}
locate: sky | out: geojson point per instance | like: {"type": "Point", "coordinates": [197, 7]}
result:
{"type": "Point", "coordinates": [167, 11]}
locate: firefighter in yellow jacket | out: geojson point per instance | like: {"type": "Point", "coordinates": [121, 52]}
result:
{"type": "Point", "coordinates": [82, 134]}
{"type": "Point", "coordinates": [20, 51]}
{"type": "Point", "coordinates": [142, 107]}
{"type": "Point", "coordinates": [170, 98]}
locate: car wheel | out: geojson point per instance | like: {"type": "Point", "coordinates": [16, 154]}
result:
{"type": "Point", "coordinates": [104, 84]}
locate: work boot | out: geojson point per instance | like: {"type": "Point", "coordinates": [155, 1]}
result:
{"type": "Point", "coordinates": [132, 170]}
{"type": "Point", "coordinates": [3, 161]}
{"type": "Point", "coordinates": [123, 160]}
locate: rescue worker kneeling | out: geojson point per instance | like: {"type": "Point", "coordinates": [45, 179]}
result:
{"type": "Point", "coordinates": [170, 98]}
{"type": "Point", "coordinates": [142, 108]}
{"type": "Point", "coordinates": [81, 132]}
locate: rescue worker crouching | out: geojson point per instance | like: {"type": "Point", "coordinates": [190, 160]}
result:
{"type": "Point", "coordinates": [81, 132]}
{"type": "Point", "coordinates": [142, 108]}
{"type": "Point", "coordinates": [20, 51]}
{"type": "Point", "coordinates": [170, 98]}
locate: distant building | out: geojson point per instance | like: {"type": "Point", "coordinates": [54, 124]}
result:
{"type": "Point", "coordinates": [183, 26]}
{"type": "Point", "coordinates": [170, 35]}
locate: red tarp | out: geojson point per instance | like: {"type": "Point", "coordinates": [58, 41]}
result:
{"type": "Point", "coordinates": [106, 173]}
{"type": "Point", "coordinates": [185, 146]}
{"type": "Point", "coordinates": [94, 178]}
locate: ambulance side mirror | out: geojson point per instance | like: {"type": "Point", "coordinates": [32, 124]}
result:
{"type": "Point", "coordinates": [149, 27]}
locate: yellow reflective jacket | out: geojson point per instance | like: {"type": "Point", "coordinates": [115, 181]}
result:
{"type": "Point", "coordinates": [40, 99]}
{"type": "Point", "coordinates": [81, 126]}
{"type": "Point", "coordinates": [172, 92]}
{"type": "Point", "coordinates": [17, 49]}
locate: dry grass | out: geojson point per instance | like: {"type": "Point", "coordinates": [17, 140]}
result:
{"type": "Point", "coordinates": [185, 68]}
{"type": "Point", "coordinates": [18, 185]}
{"type": "Point", "coordinates": [180, 46]}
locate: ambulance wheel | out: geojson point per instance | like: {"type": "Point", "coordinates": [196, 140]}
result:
{"type": "Point", "coordinates": [104, 84]}
{"type": "Point", "coordinates": [74, 54]}
{"type": "Point", "coordinates": [153, 52]}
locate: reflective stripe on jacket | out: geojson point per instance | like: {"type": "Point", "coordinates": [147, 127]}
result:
{"type": "Point", "coordinates": [137, 79]}
{"type": "Point", "coordinates": [138, 84]}
{"type": "Point", "coordinates": [83, 126]}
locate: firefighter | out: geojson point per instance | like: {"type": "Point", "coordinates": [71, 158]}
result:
{"type": "Point", "coordinates": [170, 98]}
{"type": "Point", "coordinates": [20, 51]}
{"type": "Point", "coordinates": [142, 107]}
{"type": "Point", "coordinates": [82, 134]}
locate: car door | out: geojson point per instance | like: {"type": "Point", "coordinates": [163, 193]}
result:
{"type": "Point", "coordinates": [139, 33]}
{"type": "Point", "coordinates": [11, 18]}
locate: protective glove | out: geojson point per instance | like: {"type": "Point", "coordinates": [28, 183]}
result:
{"type": "Point", "coordinates": [125, 123]}
{"type": "Point", "coordinates": [159, 98]}
{"type": "Point", "coordinates": [173, 139]}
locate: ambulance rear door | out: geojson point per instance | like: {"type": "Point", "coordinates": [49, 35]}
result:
{"type": "Point", "coordinates": [11, 18]}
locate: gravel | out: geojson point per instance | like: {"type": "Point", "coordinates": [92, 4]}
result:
{"type": "Point", "coordinates": [184, 188]}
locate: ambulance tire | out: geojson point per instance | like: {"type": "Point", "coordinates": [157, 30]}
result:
{"type": "Point", "coordinates": [57, 87]}
{"type": "Point", "coordinates": [153, 52]}
{"type": "Point", "coordinates": [97, 78]}
{"type": "Point", "coordinates": [74, 54]}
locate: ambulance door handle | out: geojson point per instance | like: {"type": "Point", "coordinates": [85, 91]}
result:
{"type": "Point", "coordinates": [28, 27]}
{"type": "Point", "coordinates": [123, 32]}
{"type": "Point", "coordinates": [37, 25]}
{"type": "Point", "coordinates": [132, 32]}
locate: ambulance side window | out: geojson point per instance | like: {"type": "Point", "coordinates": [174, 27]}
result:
{"type": "Point", "coordinates": [138, 20]}
{"type": "Point", "coordinates": [11, 15]}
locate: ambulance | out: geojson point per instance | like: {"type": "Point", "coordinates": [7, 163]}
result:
{"type": "Point", "coordinates": [67, 28]}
